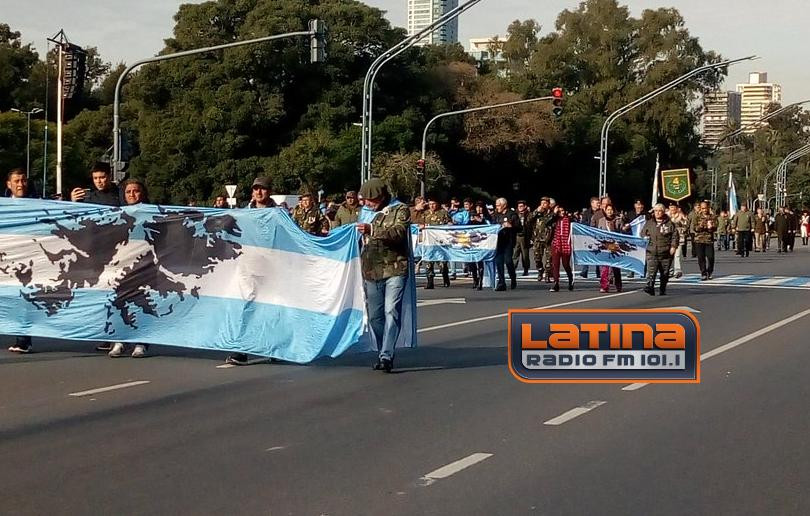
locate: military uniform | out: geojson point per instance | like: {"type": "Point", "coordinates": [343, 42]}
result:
{"type": "Point", "coordinates": [541, 238]}
{"type": "Point", "coordinates": [310, 220]}
{"type": "Point", "coordinates": [663, 237]}
{"type": "Point", "coordinates": [439, 217]}
{"type": "Point", "coordinates": [523, 241]}
{"type": "Point", "coordinates": [385, 252]}
{"type": "Point", "coordinates": [742, 224]}
{"type": "Point", "coordinates": [722, 233]}
{"type": "Point", "coordinates": [346, 214]}
{"type": "Point", "coordinates": [385, 264]}
{"type": "Point", "coordinates": [703, 229]}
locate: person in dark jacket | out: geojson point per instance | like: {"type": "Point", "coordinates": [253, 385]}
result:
{"type": "Point", "coordinates": [104, 192]}
{"type": "Point", "coordinates": [588, 215]}
{"type": "Point", "coordinates": [479, 217]}
{"type": "Point", "coordinates": [792, 229]}
{"type": "Point", "coordinates": [781, 225]}
{"type": "Point", "coordinates": [510, 225]}
{"type": "Point", "coordinates": [523, 238]}
{"type": "Point", "coordinates": [662, 245]}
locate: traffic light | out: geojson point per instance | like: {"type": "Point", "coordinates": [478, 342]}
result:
{"type": "Point", "coordinates": [317, 42]}
{"type": "Point", "coordinates": [557, 102]}
{"type": "Point", "coordinates": [75, 70]}
{"type": "Point", "coordinates": [420, 169]}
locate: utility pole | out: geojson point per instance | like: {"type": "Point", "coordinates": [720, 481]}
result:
{"type": "Point", "coordinates": [317, 33]}
{"type": "Point", "coordinates": [371, 75]}
{"type": "Point", "coordinates": [603, 142]}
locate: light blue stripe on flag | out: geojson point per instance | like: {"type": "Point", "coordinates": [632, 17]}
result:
{"type": "Point", "coordinates": [591, 246]}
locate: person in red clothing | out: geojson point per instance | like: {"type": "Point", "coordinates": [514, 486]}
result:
{"type": "Point", "coordinates": [610, 222]}
{"type": "Point", "coordinates": [561, 247]}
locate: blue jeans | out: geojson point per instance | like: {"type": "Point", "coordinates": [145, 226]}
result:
{"type": "Point", "coordinates": [384, 304]}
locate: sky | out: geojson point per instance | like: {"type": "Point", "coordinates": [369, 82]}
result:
{"type": "Point", "coordinates": [775, 30]}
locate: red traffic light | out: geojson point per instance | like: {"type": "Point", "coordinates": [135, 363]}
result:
{"type": "Point", "coordinates": [557, 93]}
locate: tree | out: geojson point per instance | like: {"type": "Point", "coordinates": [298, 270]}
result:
{"type": "Point", "coordinates": [398, 170]}
{"type": "Point", "coordinates": [604, 58]}
{"type": "Point", "coordinates": [16, 63]}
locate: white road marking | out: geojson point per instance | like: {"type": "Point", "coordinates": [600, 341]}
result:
{"type": "Point", "coordinates": [684, 308]}
{"type": "Point", "coordinates": [574, 413]}
{"type": "Point", "coordinates": [225, 366]}
{"type": "Point", "coordinates": [275, 448]}
{"type": "Point", "coordinates": [498, 316]}
{"type": "Point", "coordinates": [110, 388]}
{"type": "Point", "coordinates": [734, 343]}
{"type": "Point", "coordinates": [432, 302]}
{"type": "Point", "coordinates": [634, 386]}
{"type": "Point", "coordinates": [453, 468]}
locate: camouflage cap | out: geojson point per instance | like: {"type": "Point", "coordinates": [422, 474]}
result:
{"type": "Point", "coordinates": [374, 188]}
{"type": "Point", "coordinates": [263, 182]}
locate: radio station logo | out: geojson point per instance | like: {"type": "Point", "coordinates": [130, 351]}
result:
{"type": "Point", "coordinates": [604, 346]}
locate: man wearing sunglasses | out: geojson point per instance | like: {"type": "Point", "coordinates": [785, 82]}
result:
{"type": "Point", "coordinates": [348, 211]}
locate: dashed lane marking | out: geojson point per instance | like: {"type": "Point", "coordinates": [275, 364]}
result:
{"type": "Point", "coordinates": [574, 413]}
{"type": "Point", "coordinates": [110, 388]}
{"type": "Point", "coordinates": [735, 343]}
{"type": "Point", "coordinates": [498, 316]}
{"type": "Point", "coordinates": [453, 468]}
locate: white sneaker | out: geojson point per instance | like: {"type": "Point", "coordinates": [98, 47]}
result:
{"type": "Point", "coordinates": [117, 350]}
{"type": "Point", "coordinates": [139, 351]}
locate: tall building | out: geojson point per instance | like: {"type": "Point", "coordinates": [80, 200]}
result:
{"type": "Point", "coordinates": [757, 95]}
{"type": "Point", "coordinates": [721, 111]}
{"type": "Point", "coordinates": [422, 13]}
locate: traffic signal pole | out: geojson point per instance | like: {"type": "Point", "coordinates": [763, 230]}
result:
{"type": "Point", "coordinates": [603, 141]}
{"type": "Point", "coordinates": [371, 75]}
{"type": "Point", "coordinates": [316, 32]}
{"type": "Point", "coordinates": [470, 110]}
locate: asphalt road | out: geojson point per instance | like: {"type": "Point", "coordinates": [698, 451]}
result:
{"type": "Point", "coordinates": [451, 433]}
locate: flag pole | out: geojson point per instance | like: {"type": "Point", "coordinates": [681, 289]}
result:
{"type": "Point", "coordinates": [655, 181]}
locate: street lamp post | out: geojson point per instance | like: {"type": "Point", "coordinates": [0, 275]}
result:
{"type": "Point", "coordinates": [781, 174]}
{"type": "Point", "coordinates": [461, 112]}
{"type": "Point", "coordinates": [316, 32]}
{"type": "Point", "coordinates": [28, 145]}
{"type": "Point", "coordinates": [603, 142]}
{"type": "Point", "coordinates": [371, 75]}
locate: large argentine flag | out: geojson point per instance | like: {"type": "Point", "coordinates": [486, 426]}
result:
{"type": "Point", "coordinates": [230, 280]}
{"type": "Point", "coordinates": [591, 246]}
{"type": "Point", "coordinates": [458, 243]}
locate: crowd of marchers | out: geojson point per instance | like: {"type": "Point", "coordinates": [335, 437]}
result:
{"type": "Point", "coordinates": [541, 231]}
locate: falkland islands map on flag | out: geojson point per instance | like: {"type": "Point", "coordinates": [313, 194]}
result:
{"type": "Point", "coordinates": [231, 280]}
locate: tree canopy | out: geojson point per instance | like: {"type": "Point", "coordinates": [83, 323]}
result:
{"type": "Point", "coordinates": [193, 124]}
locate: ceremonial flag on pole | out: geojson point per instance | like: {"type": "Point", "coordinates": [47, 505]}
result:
{"type": "Point", "coordinates": [732, 196]}
{"type": "Point", "coordinates": [593, 246]}
{"type": "Point", "coordinates": [655, 182]}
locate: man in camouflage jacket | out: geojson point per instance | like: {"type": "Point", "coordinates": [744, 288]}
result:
{"type": "Point", "coordinates": [704, 227]}
{"type": "Point", "coordinates": [541, 239]}
{"type": "Point", "coordinates": [436, 216]}
{"type": "Point", "coordinates": [308, 216]}
{"type": "Point", "coordinates": [385, 267]}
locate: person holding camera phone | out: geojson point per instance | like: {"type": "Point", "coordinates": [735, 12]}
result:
{"type": "Point", "coordinates": [104, 191]}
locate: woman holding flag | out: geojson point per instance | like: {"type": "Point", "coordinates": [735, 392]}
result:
{"type": "Point", "coordinates": [610, 222]}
